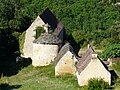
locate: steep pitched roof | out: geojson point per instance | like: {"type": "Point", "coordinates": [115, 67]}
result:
{"type": "Point", "coordinates": [48, 17]}
{"type": "Point", "coordinates": [85, 60]}
{"type": "Point", "coordinates": [64, 49]}
{"type": "Point", "coordinates": [52, 38]}
{"type": "Point", "coordinates": [47, 39]}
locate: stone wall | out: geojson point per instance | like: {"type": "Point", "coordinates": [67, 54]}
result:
{"type": "Point", "coordinates": [66, 65]}
{"type": "Point", "coordinates": [95, 69]}
{"type": "Point", "coordinates": [29, 37]}
{"type": "Point", "coordinates": [43, 54]}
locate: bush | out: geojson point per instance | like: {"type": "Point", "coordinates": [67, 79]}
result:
{"type": "Point", "coordinates": [39, 30]}
{"type": "Point", "coordinates": [111, 51]}
{"type": "Point", "coordinates": [21, 42]}
{"type": "Point", "coordinates": [97, 84]}
{"type": "Point", "coordinates": [116, 66]}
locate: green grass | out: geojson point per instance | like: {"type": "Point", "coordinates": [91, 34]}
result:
{"type": "Point", "coordinates": [39, 78]}
{"type": "Point", "coordinates": [43, 78]}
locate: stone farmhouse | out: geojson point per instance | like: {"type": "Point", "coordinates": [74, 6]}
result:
{"type": "Point", "coordinates": [90, 66]}
{"type": "Point", "coordinates": [44, 49]}
{"type": "Point", "coordinates": [48, 48]}
{"type": "Point", "coordinates": [65, 61]}
{"type": "Point", "coordinates": [44, 18]}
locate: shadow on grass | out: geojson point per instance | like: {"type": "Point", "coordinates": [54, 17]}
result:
{"type": "Point", "coordinates": [6, 86]}
{"type": "Point", "coordinates": [9, 68]}
{"type": "Point", "coordinates": [9, 51]}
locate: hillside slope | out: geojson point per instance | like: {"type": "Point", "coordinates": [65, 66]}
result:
{"type": "Point", "coordinates": [40, 78]}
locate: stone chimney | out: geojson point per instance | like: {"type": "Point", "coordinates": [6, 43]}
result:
{"type": "Point", "coordinates": [94, 55]}
{"type": "Point", "coordinates": [88, 46]}
{"type": "Point", "coordinates": [46, 27]}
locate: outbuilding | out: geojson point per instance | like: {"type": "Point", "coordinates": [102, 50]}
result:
{"type": "Point", "coordinates": [45, 49]}
{"type": "Point", "coordinates": [90, 66]}
{"type": "Point", "coordinates": [65, 61]}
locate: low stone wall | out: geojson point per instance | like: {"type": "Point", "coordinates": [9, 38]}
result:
{"type": "Point", "coordinates": [44, 54]}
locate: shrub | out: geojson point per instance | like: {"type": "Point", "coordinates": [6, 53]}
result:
{"type": "Point", "coordinates": [111, 51]}
{"type": "Point", "coordinates": [116, 66]}
{"type": "Point", "coordinates": [97, 84]}
{"type": "Point", "coordinates": [39, 30]}
{"type": "Point", "coordinates": [21, 42]}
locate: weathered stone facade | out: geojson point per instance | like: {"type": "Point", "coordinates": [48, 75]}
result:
{"type": "Point", "coordinates": [44, 49]}
{"type": "Point", "coordinates": [44, 54]}
{"type": "Point", "coordinates": [65, 61]}
{"type": "Point", "coordinates": [66, 65]}
{"type": "Point", "coordinates": [95, 69]}
{"type": "Point", "coordinates": [42, 20]}
{"type": "Point", "coordinates": [29, 37]}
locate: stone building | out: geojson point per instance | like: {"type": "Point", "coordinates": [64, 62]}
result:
{"type": "Point", "coordinates": [45, 49]}
{"type": "Point", "coordinates": [65, 61]}
{"type": "Point", "coordinates": [29, 37]}
{"type": "Point", "coordinates": [46, 17]}
{"type": "Point", "coordinates": [90, 66]}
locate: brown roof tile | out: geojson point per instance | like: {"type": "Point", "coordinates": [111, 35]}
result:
{"type": "Point", "coordinates": [85, 60]}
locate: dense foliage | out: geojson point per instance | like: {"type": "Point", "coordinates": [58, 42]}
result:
{"type": "Point", "coordinates": [86, 21]}
{"type": "Point", "coordinates": [116, 66]}
{"type": "Point", "coordinates": [97, 84]}
{"type": "Point", "coordinates": [21, 42]}
{"type": "Point", "coordinates": [95, 21]}
{"type": "Point", "coordinates": [111, 51]}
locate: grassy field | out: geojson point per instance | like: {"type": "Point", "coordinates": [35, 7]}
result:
{"type": "Point", "coordinates": [40, 78]}
{"type": "Point", "coordinates": [43, 78]}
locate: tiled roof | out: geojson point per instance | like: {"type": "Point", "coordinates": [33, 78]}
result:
{"type": "Point", "coordinates": [64, 49]}
{"type": "Point", "coordinates": [85, 60]}
{"type": "Point", "coordinates": [48, 17]}
{"type": "Point", "coordinates": [47, 39]}
{"type": "Point", "coordinates": [52, 38]}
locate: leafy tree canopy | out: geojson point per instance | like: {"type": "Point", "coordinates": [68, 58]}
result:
{"type": "Point", "coordinates": [111, 51]}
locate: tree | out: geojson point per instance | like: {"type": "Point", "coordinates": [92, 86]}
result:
{"type": "Point", "coordinates": [111, 51]}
